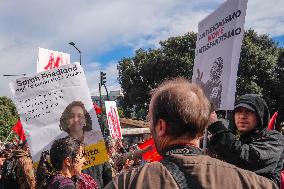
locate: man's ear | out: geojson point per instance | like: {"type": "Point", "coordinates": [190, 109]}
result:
{"type": "Point", "coordinates": [161, 128]}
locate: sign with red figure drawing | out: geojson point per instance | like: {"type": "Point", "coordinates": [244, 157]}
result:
{"type": "Point", "coordinates": [113, 119]}
{"type": "Point", "coordinates": [217, 53]}
{"type": "Point", "coordinates": [49, 59]}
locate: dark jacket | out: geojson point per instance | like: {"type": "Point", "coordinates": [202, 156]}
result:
{"type": "Point", "coordinates": [260, 150]}
{"type": "Point", "coordinates": [20, 163]}
{"type": "Point", "coordinates": [201, 171]}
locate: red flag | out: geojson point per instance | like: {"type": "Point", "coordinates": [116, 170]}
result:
{"type": "Point", "coordinates": [97, 109]}
{"type": "Point", "coordinates": [272, 121]}
{"type": "Point", "coordinates": [18, 129]}
{"type": "Point", "coordinates": [151, 155]}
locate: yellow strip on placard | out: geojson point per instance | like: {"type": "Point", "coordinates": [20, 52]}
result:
{"type": "Point", "coordinates": [95, 154]}
{"type": "Point", "coordinates": [35, 165]}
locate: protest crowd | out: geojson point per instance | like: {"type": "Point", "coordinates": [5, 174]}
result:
{"type": "Point", "coordinates": [249, 156]}
{"type": "Point", "coordinates": [191, 145]}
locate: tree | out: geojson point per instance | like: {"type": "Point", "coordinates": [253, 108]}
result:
{"type": "Point", "coordinates": [260, 70]}
{"type": "Point", "coordinates": [257, 68]}
{"type": "Point", "coordinates": [8, 117]}
{"type": "Point", "coordinates": [140, 74]}
{"type": "Point", "coordinates": [279, 88]}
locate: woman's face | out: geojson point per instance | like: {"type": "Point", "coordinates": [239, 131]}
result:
{"type": "Point", "coordinates": [77, 120]}
{"type": "Point", "coordinates": [78, 163]}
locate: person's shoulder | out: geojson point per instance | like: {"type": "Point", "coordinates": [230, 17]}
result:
{"type": "Point", "coordinates": [87, 181]}
{"type": "Point", "coordinates": [273, 132]}
{"type": "Point", "coordinates": [145, 176]}
{"type": "Point", "coordinates": [238, 175]}
{"type": "Point", "coordinates": [153, 167]}
{"type": "Point", "coordinates": [274, 135]}
{"type": "Point", "coordinates": [149, 167]}
{"type": "Point", "coordinates": [61, 182]}
{"type": "Point", "coordinates": [200, 160]}
{"type": "Point", "coordinates": [232, 173]}
{"type": "Point", "coordinates": [252, 179]}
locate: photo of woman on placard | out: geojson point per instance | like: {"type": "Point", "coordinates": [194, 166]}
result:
{"type": "Point", "coordinates": [77, 122]}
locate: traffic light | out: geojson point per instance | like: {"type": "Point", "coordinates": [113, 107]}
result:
{"type": "Point", "coordinates": [103, 78]}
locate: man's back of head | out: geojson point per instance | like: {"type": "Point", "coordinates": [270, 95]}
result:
{"type": "Point", "coordinates": [182, 106]}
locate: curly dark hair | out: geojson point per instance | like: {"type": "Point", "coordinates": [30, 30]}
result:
{"type": "Point", "coordinates": [44, 171]}
{"type": "Point", "coordinates": [67, 113]}
{"type": "Point", "coordinates": [61, 149]}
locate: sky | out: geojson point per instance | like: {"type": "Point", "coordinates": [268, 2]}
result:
{"type": "Point", "coordinates": [107, 31]}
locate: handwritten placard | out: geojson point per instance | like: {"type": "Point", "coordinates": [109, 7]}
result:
{"type": "Point", "coordinates": [45, 99]}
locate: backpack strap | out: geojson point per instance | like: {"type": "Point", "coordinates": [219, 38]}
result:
{"type": "Point", "coordinates": [176, 173]}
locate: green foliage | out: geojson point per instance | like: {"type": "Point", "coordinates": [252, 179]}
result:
{"type": "Point", "coordinates": [142, 73]}
{"type": "Point", "coordinates": [261, 70]}
{"type": "Point", "coordinates": [8, 117]}
{"type": "Point", "coordinates": [120, 112]}
{"type": "Point", "coordinates": [257, 68]}
{"type": "Point", "coordinates": [279, 88]}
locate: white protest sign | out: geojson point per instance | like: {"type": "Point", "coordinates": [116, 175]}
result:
{"type": "Point", "coordinates": [217, 53]}
{"type": "Point", "coordinates": [49, 59]}
{"type": "Point", "coordinates": [113, 119]}
{"type": "Point", "coordinates": [45, 103]}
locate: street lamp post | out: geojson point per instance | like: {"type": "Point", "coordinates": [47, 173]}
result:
{"type": "Point", "coordinates": [73, 44]}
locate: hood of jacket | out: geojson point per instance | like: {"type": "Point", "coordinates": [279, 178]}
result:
{"type": "Point", "coordinates": [260, 107]}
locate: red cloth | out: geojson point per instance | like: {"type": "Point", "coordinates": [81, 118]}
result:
{"type": "Point", "coordinates": [151, 155]}
{"type": "Point", "coordinates": [282, 179]}
{"type": "Point", "coordinates": [18, 129]}
{"type": "Point", "coordinates": [97, 109]}
{"type": "Point", "coordinates": [87, 182]}
{"type": "Point", "coordinates": [272, 121]}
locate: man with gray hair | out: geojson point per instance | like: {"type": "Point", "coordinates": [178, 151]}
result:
{"type": "Point", "coordinates": [178, 115]}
